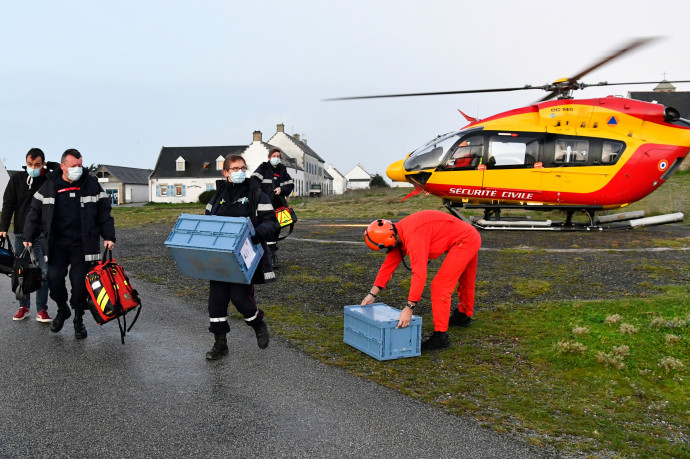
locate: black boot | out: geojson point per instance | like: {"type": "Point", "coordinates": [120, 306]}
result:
{"type": "Point", "coordinates": [79, 328]}
{"type": "Point", "coordinates": [439, 340]}
{"type": "Point", "coordinates": [59, 320]}
{"type": "Point", "coordinates": [261, 330]}
{"type": "Point", "coordinates": [220, 347]}
{"type": "Point", "coordinates": [460, 319]}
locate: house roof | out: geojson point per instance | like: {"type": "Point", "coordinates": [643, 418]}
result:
{"type": "Point", "coordinates": [291, 162]}
{"type": "Point", "coordinates": [128, 175]}
{"type": "Point", "coordinates": [336, 171]}
{"type": "Point", "coordinates": [678, 100]}
{"type": "Point", "coordinates": [194, 157]}
{"type": "Point", "coordinates": [305, 148]}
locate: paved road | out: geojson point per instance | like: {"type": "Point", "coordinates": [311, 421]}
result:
{"type": "Point", "coordinates": [157, 396]}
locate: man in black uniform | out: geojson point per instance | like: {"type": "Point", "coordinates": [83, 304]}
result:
{"type": "Point", "coordinates": [277, 184]}
{"type": "Point", "coordinates": [70, 213]}
{"type": "Point", "coordinates": [237, 197]}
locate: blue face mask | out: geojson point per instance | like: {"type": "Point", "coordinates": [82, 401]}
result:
{"type": "Point", "coordinates": [74, 173]}
{"type": "Point", "coordinates": [275, 161]}
{"type": "Point", "coordinates": [33, 173]}
{"type": "Point", "coordinates": [238, 176]}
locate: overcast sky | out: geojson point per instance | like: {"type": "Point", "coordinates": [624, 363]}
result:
{"type": "Point", "coordinates": [119, 80]}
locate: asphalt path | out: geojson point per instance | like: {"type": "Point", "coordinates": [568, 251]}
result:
{"type": "Point", "coordinates": [157, 396]}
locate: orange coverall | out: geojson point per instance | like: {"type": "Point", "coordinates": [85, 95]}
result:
{"type": "Point", "coordinates": [428, 235]}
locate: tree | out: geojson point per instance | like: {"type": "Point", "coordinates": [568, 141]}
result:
{"type": "Point", "coordinates": [378, 182]}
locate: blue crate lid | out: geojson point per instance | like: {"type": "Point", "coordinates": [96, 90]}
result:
{"type": "Point", "coordinates": [379, 313]}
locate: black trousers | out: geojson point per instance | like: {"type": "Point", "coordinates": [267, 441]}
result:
{"type": "Point", "coordinates": [241, 296]}
{"type": "Point", "coordinates": [61, 259]}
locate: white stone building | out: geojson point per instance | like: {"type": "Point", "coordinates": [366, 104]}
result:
{"type": "Point", "coordinates": [358, 178]}
{"type": "Point", "coordinates": [311, 163]}
{"type": "Point", "coordinates": [339, 180]}
{"type": "Point", "coordinates": [124, 185]}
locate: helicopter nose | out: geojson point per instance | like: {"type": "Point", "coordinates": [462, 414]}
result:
{"type": "Point", "coordinates": [396, 171]}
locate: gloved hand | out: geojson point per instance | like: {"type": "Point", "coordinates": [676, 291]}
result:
{"type": "Point", "coordinates": [256, 239]}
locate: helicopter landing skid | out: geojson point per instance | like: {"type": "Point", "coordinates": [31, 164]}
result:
{"type": "Point", "coordinates": [622, 221]}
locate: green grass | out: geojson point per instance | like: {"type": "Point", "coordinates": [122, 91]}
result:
{"type": "Point", "coordinates": [559, 373]}
{"type": "Point", "coordinates": [129, 217]}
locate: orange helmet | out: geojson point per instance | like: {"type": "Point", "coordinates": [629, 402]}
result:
{"type": "Point", "coordinates": [380, 235]}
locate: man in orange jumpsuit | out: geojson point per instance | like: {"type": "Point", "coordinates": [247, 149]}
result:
{"type": "Point", "coordinates": [428, 235]}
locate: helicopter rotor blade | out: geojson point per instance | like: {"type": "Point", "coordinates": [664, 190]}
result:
{"type": "Point", "coordinates": [632, 45]}
{"type": "Point", "coordinates": [606, 83]}
{"type": "Point", "coordinates": [469, 91]}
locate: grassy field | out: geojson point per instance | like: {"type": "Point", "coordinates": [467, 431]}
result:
{"type": "Point", "coordinates": [605, 378]}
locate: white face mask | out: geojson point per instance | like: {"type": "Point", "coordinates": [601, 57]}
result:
{"type": "Point", "coordinates": [74, 173]}
{"type": "Point", "coordinates": [33, 173]}
{"type": "Point", "coordinates": [275, 161]}
{"type": "Point", "coordinates": [238, 176]}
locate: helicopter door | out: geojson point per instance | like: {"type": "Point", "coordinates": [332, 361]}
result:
{"type": "Point", "coordinates": [461, 171]}
{"type": "Point", "coordinates": [513, 165]}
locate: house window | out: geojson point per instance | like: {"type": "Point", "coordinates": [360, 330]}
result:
{"type": "Point", "coordinates": [163, 189]}
{"type": "Point", "coordinates": [179, 164]}
{"type": "Point", "coordinates": [219, 163]}
{"type": "Point", "coordinates": [180, 190]}
{"type": "Point", "coordinates": [209, 186]}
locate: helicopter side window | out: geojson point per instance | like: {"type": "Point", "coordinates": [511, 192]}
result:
{"type": "Point", "coordinates": [570, 152]}
{"type": "Point", "coordinates": [468, 154]}
{"type": "Point", "coordinates": [610, 152]}
{"type": "Point", "coordinates": [512, 151]}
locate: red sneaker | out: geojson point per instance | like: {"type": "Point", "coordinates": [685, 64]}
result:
{"type": "Point", "coordinates": [43, 316]}
{"type": "Point", "coordinates": [22, 314]}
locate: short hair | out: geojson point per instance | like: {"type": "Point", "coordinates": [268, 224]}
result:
{"type": "Point", "coordinates": [35, 153]}
{"type": "Point", "coordinates": [231, 159]}
{"type": "Point", "coordinates": [273, 150]}
{"type": "Point", "coordinates": [70, 152]}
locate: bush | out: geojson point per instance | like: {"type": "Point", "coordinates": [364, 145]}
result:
{"type": "Point", "coordinates": [206, 196]}
{"type": "Point", "coordinates": [378, 182]}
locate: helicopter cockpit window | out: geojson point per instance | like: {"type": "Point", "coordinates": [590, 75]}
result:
{"type": "Point", "coordinates": [610, 152]}
{"type": "Point", "coordinates": [467, 154]}
{"type": "Point", "coordinates": [511, 150]}
{"type": "Point", "coordinates": [571, 152]}
{"type": "Point", "coordinates": [431, 155]}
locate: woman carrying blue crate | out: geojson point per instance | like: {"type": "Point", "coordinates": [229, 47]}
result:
{"type": "Point", "coordinates": [238, 197]}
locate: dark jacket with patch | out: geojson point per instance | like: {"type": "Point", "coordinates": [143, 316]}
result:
{"type": "Point", "coordinates": [94, 214]}
{"type": "Point", "coordinates": [272, 177]}
{"type": "Point", "coordinates": [17, 198]}
{"type": "Point", "coordinates": [247, 200]}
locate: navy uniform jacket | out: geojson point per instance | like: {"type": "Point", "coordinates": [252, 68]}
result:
{"type": "Point", "coordinates": [247, 200]}
{"type": "Point", "coordinates": [94, 214]}
{"type": "Point", "coordinates": [271, 178]}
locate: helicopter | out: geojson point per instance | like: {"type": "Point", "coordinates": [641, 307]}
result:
{"type": "Point", "coordinates": [560, 153]}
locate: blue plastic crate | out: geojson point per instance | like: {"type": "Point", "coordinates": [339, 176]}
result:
{"type": "Point", "coordinates": [371, 329]}
{"type": "Point", "coordinates": [215, 248]}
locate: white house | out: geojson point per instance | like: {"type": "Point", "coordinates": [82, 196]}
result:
{"type": "Point", "coordinates": [257, 153]}
{"type": "Point", "coordinates": [124, 184]}
{"type": "Point", "coordinates": [311, 163]}
{"type": "Point", "coordinates": [4, 180]}
{"type": "Point", "coordinates": [339, 180]}
{"type": "Point", "coordinates": [183, 173]}
{"type": "Point", "coordinates": [358, 178]}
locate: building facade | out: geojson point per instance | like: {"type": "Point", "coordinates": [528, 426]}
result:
{"type": "Point", "coordinates": [124, 185]}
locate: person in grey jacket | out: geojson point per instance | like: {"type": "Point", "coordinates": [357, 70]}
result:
{"type": "Point", "coordinates": [16, 202]}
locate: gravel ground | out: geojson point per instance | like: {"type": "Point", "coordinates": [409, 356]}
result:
{"type": "Point", "coordinates": [324, 265]}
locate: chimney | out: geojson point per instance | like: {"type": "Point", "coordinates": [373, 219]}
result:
{"type": "Point", "coordinates": [280, 127]}
{"type": "Point", "coordinates": [257, 136]}
{"type": "Point", "coordinates": [296, 136]}
{"type": "Point", "coordinates": [304, 141]}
